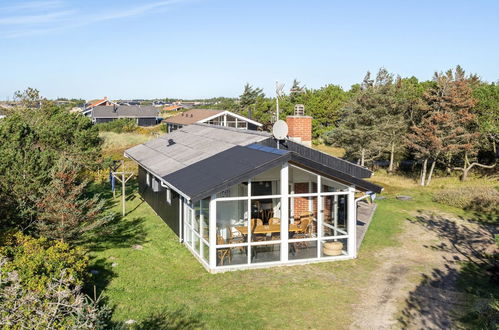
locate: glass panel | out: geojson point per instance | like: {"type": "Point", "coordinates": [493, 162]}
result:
{"type": "Point", "coordinates": [196, 243]}
{"type": "Point", "coordinates": [202, 216]}
{"type": "Point", "coordinates": [335, 215]}
{"type": "Point", "coordinates": [238, 190]}
{"type": "Point", "coordinates": [232, 222]}
{"type": "Point", "coordinates": [265, 253]}
{"type": "Point", "coordinates": [301, 181]}
{"type": "Point", "coordinates": [188, 235]}
{"type": "Point", "coordinates": [329, 185]}
{"type": "Point", "coordinates": [231, 121]}
{"type": "Point", "coordinates": [232, 256]}
{"type": "Point", "coordinates": [303, 213]}
{"type": "Point", "coordinates": [206, 252]}
{"type": "Point", "coordinates": [267, 183]}
{"type": "Point", "coordinates": [265, 219]}
{"type": "Point", "coordinates": [242, 124]}
{"type": "Point", "coordinates": [334, 247]}
{"type": "Point", "coordinates": [302, 250]}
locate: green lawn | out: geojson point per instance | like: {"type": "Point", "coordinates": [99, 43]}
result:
{"type": "Point", "coordinates": [165, 276]}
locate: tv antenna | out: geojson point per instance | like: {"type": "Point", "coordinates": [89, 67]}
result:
{"type": "Point", "coordinates": [279, 91]}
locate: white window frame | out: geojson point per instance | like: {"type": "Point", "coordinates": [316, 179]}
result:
{"type": "Point", "coordinates": [284, 241]}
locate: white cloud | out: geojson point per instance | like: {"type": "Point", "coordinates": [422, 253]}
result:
{"type": "Point", "coordinates": [33, 5]}
{"type": "Point", "coordinates": [35, 19]}
{"type": "Point", "coordinates": [43, 22]}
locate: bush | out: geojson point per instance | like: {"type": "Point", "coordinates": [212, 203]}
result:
{"type": "Point", "coordinates": [480, 199]}
{"type": "Point", "coordinates": [37, 261]}
{"type": "Point", "coordinates": [122, 125]}
{"type": "Point", "coordinates": [40, 286]}
{"type": "Point", "coordinates": [486, 317]}
{"type": "Point", "coordinates": [59, 305]}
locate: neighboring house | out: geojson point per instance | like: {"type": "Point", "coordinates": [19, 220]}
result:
{"type": "Point", "coordinates": [173, 108]}
{"type": "Point", "coordinates": [239, 199]}
{"type": "Point", "coordinates": [144, 115]}
{"type": "Point", "coordinates": [102, 102]}
{"type": "Point", "coordinates": [212, 117]}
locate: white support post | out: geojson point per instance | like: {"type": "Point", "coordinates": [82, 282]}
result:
{"type": "Point", "coordinates": [213, 232]}
{"type": "Point", "coordinates": [335, 214]}
{"type": "Point", "coordinates": [310, 199]}
{"type": "Point", "coordinates": [352, 225]}
{"type": "Point", "coordinates": [180, 219]}
{"type": "Point", "coordinates": [320, 216]}
{"type": "Point", "coordinates": [284, 212]}
{"type": "Point", "coordinates": [249, 237]}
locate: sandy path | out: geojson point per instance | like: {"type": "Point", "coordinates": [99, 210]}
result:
{"type": "Point", "coordinates": [414, 285]}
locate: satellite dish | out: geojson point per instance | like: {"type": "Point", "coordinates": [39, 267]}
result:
{"type": "Point", "coordinates": [280, 130]}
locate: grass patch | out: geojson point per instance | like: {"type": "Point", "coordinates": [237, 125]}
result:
{"type": "Point", "coordinates": [333, 151]}
{"type": "Point", "coordinates": [164, 275]}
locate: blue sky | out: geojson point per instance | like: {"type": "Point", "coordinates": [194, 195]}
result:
{"type": "Point", "coordinates": [207, 48]}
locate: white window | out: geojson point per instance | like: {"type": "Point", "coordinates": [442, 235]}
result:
{"type": "Point", "coordinates": [148, 179]}
{"type": "Point", "coordinates": [169, 196]}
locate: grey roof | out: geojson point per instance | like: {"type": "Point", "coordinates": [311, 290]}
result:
{"type": "Point", "coordinates": [188, 145]}
{"type": "Point", "coordinates": [223, 170]}
{"type": "Point", "coordinates": [123, 111]}
{"type": "Point", "coordinates": [323, 158]}
{"type": "Point", "coordinates": [199, 160]}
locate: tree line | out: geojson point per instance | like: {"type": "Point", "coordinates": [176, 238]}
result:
{"type": "Point", "coordinates": [450, 122]}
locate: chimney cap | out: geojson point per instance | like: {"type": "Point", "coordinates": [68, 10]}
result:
{"type": "Point", "coordinates": [299, 110]}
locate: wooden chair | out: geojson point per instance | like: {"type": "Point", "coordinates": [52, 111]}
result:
{"type": "Point", "coordinates": [223, 252]}
{"type": "Point", "coordinates": [256, 222]}
{"type": "Point", "coordinates": [236, 239]}
{"type": "Point", "coordinates": [274, 221]}
{"type": "Point", "coordinates": [302, 216]}
{"type": "Point", "coordinates": [304, 232]}
{"type": "Point", "coordinates": [257, 237]}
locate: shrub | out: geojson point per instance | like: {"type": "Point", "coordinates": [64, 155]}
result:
{"type": "Point", "coordinates": [60, 305]}
{"type": "Point", "coordinates": [479, 199]}
{"type": "Point", "coordinates": [37, 261]}
{"type": "Point", "coordinates": [122, 125]}
{"type": "Point", "coordinates": [40, 286]}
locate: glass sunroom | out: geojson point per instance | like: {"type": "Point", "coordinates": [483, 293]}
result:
{"type": "Point", "coordinates": [285, 215]}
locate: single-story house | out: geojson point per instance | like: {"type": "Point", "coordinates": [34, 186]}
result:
{"type": "Point", "coordinates": [102, 102]}
{"type": "Point", "coordinates": [240, 199]}
{"type": "Point", "coordinates": [173, 108]}
{"type": "Point", "coordinates": [212, 117]}
{"type": "Point", "coordinates": [144, 115]}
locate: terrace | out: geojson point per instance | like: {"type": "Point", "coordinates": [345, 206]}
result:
{"type": "Point", "coordinates": [284, 215]}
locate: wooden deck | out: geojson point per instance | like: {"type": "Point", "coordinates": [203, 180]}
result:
{"type": "Point", "coordinates": [365, 214]}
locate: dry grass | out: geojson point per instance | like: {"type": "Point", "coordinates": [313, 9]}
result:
{"type": "Point", "coordinates": [120, 141]}
{"type": "Point", "coordinates": [333, 151]}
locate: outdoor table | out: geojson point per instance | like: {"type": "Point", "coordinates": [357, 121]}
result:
{"type": "Point", "coordinates": [267, 229]}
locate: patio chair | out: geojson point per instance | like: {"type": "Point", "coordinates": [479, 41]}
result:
{"type": "Point", "coordinates": [223, 252]}
{"type": "Point", "coordinates": [235, 239]}
{"type": "Point", "coordinates": [256, 222]}
{"type": "Point", "coordinates": [303, 215]}
{"type": "Point", "coordinates": [274, 221]}
{"type": "Point", "coordinates": [304, 232]}
{"type": "Point", "coordinates": [257, 237]}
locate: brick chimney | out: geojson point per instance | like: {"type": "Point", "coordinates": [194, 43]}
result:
{"type": "Point", "coordinates": [300, 126]}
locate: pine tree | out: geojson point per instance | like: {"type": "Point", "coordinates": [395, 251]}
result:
{"type": "Point", "coordinates": [64, 212]}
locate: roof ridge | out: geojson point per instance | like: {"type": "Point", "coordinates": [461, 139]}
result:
{"type": "Point", "coordinates": [234, 129]}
